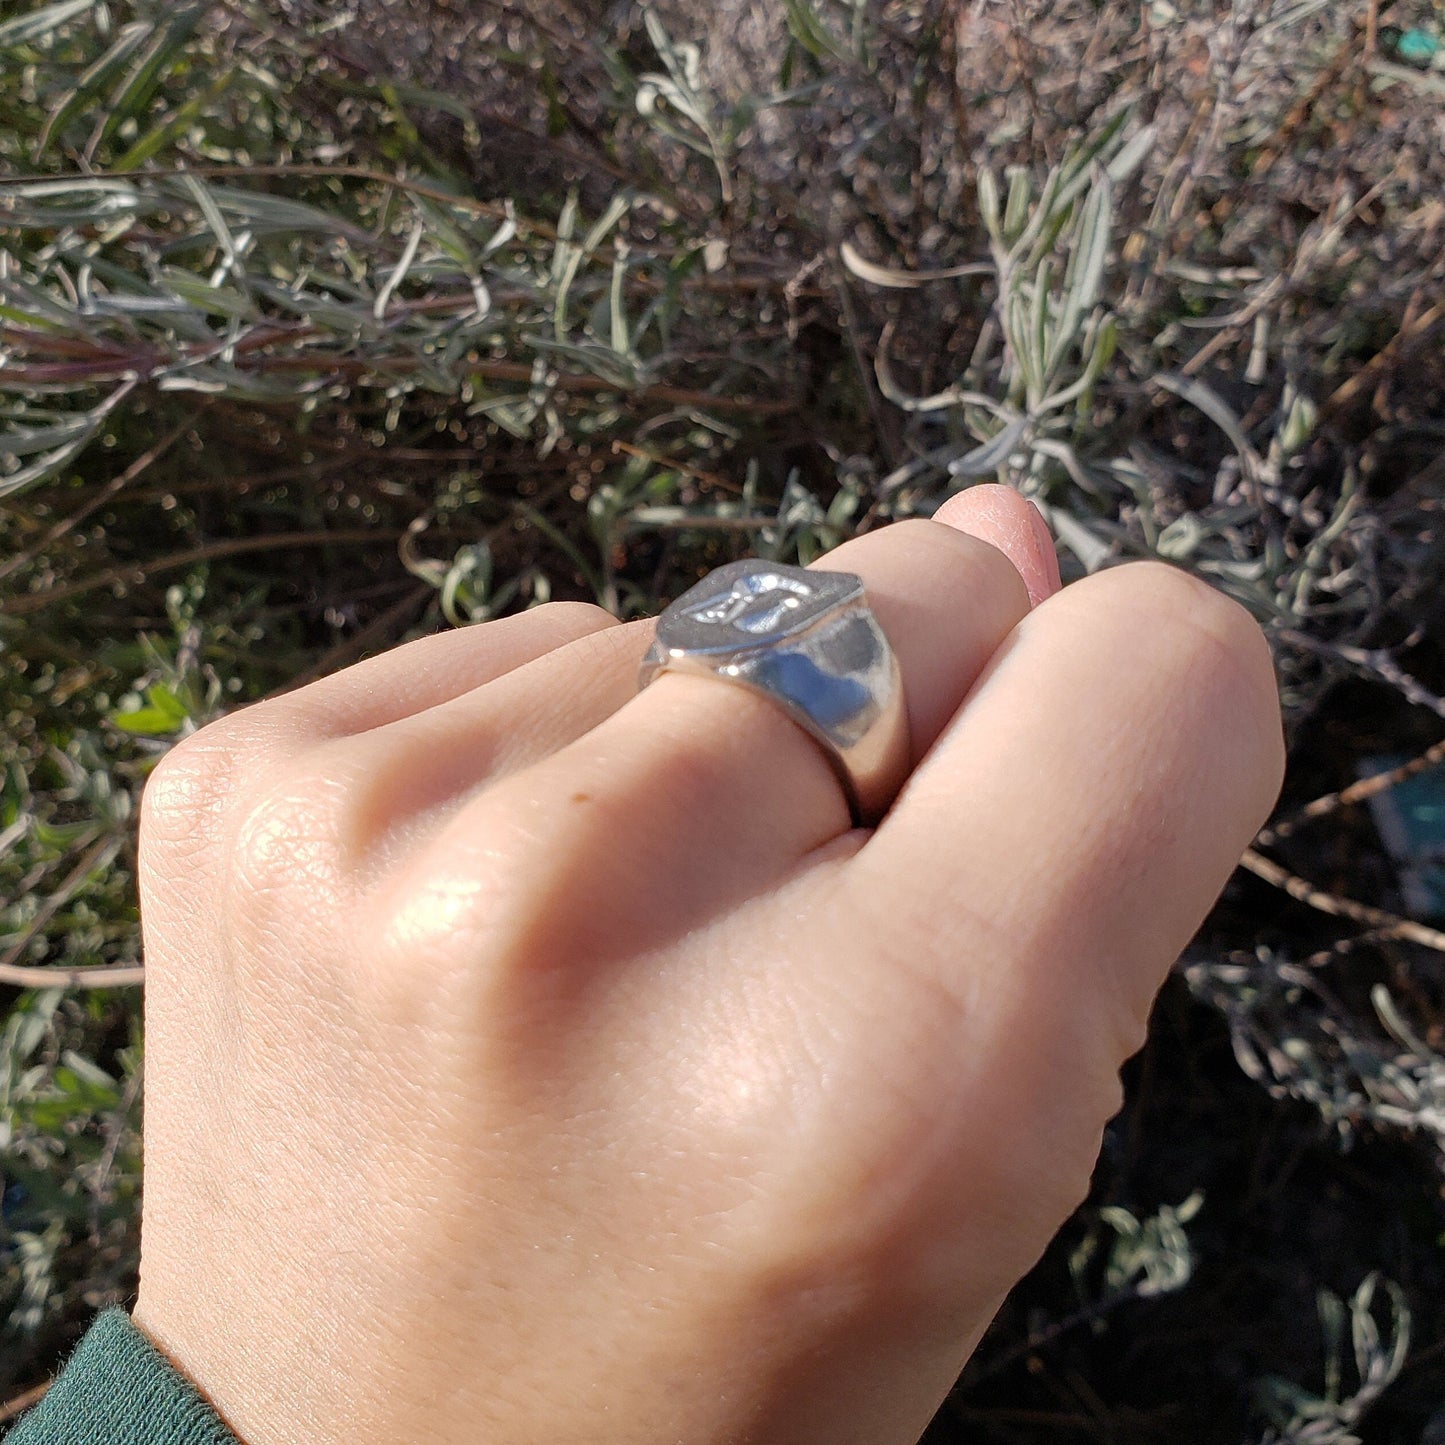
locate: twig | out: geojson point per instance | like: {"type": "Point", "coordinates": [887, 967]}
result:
{"type": "Point", "coordinates": [1345, 946]}
{"type": "Point", "coordinates": [1348, 392]}
{"type": "Point", "coordinates": [316, 171]}
{"type": "Point", "coordinates": [1322, 238]}
{"type": "Point", "coordinates": [116, 484]}
{"type": "Point", "coordinates": [1357, 792]}
{"type": "Point", "coordinates": [118, 976]}
{"type": "Point", "coordinates": [36, 601]}
{"type": "Point", "coordinates": [866, 374]}
{"type": "Point", "coordinates": [378, 629]}
{"type": "Point", "coordinates": [248, 351]}
{"type": "Point", "coordinates": [686, 469]}
{"type": "Point", "coordinates": [94, 858]}
{"type": "Point", "coordinates": [25, 1400]}
{"type": "Point", "coordinates": [1376, 661]}
{"type": "Point", "coordinates": [114, 1129]}
{"type": "Point", "coordinates": [1387, 925]}
{"type": "Point", "coordinates": [1305, 107]}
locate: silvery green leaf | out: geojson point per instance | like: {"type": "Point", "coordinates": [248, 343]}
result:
{"type": "Point", "coordinates": [17, 481]}
{"type": "Point", "coordinates": [812, 32]}
{"type": "Point", "coordinates": [987, 459]}
{"type": "Point", "coordinates": [1133, 155]}
{"type": "Point", "coordinates": [1091, 551]}
{"type": "Point", "coordinates": [1020, 192]}
{"type": "Point", "coordinates": [1299, 425]}
{"type": "Point", "coordinates": [108, 305]}
{"type": "Point", "coordinates": [617, 208]}
{"type": "Point", "coordinates": [93, 81]}
{"type": "Point", "coordinates": [683, 61]}
{"type": "Point", "coordinates": [399, 271]}
{"type": "Point", "coordinates": [130, 100]}
{"type": "Point", "coordinates": [611, 368]}
{"type": "Point", "coordinates": [988, 204]}
{"type": "Point", "coordinates": [24, 441]}
{"type": "Point", "coordinates": [1181, 538]}
{"type": "Point", "coordinates": [1208, 401]}
{"type": "Point", "coordinates": [504, 234]}
{"type": "Point", "coordinates": [1084, 283]}
{"type": "Point", "coordinates": [41, 22]}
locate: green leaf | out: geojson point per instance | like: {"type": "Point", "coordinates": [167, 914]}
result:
{"type": "Point", "coordinates": [163, 714]}
{"type": "Point", "coordinates": [809, 29]}
{"type": "Point", "coordinates": [145, 76]}
{"type": "Point", "coordinates": [93, 81]}
{"type": "Point", "coordinates": [176, 123]}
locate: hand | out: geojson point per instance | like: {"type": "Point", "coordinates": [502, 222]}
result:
{"type": "Point", "coordinates": [530, 1060]}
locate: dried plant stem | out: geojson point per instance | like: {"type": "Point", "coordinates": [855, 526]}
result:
{"type": "Point", "coordinates": [1381, 363]}
{"type": "Point", "coordinates": [93, 860]}
{"type": "Point", "coordinates": [133, 576]}
{"type": "Point", "coordinates": [1387, 925]}
{"type": "Point", "coordinates": [1376, 661]}
{"type": "Point", "coordinates": [1358, 792]}
{"type": "Point", "coordinates": [119, 976]}
{"type": "Point", "coordinates": [116, 484]}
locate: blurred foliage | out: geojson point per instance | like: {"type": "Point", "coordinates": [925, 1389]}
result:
{"type": "Point", "coordinates": [324, 325]}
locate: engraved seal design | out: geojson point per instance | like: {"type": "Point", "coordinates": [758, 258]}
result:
{"type": "Point", "coordinates": [755, 603]}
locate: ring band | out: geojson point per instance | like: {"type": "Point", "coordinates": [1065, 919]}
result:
{"type": "Point", "coordinates": [808, 641]}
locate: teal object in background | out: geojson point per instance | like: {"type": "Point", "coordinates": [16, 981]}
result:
{"type": "Point", "coordinates": [1410, 818]}
{"type": "Point", "coordinates": [1418, 46]}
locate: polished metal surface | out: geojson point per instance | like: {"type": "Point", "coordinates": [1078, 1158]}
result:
{"type": "Point", "coordinates": [808, 641]}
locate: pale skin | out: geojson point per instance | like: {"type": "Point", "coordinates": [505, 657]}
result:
{"type": "Point", "coordinates": [531, 1060]}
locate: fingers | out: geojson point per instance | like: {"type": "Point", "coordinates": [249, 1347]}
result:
{"type": "Point", "coordinates": [993, 515]}
{"type": "Point", "coordinates": [696, 774]}
{"type": "Point", "coordinates": [691, 774]}
{"type": "Point", "coordinates": [969, 978]}
{"type": "Point", "coordinates": [199, 778]}
{"type": "Point", "coordinates": [705, 786]}
{"type": "Point", "coordinates": [1097, 790]}
{"type": "Point", "coordinates": [433, 670]}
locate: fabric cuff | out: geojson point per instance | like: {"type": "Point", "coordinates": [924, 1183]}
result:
{"type": "Point", "coordinates": [118, 1389]}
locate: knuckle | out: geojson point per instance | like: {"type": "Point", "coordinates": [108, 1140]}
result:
{"type": "Point", "coordinates": [191, 787]}
{"type": "Point", "coordinates": [1213, 635]}
{"type": "Point", "coordinates": [287, 838]}
{"type": "Point", "coordinates": [1184, 603]}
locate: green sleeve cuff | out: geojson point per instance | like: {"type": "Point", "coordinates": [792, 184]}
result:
{"type": "Point", "coordinates": [119, 1390]}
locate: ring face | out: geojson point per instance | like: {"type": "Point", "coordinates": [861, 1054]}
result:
{"type": "Point", "coordinates": [808, 641]}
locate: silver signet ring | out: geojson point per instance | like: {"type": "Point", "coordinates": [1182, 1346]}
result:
{"type": "Point", "coordinates": [808, 641]}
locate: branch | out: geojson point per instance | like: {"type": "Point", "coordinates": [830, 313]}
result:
{"type": "Point", "coordinates": [1385, 924]}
